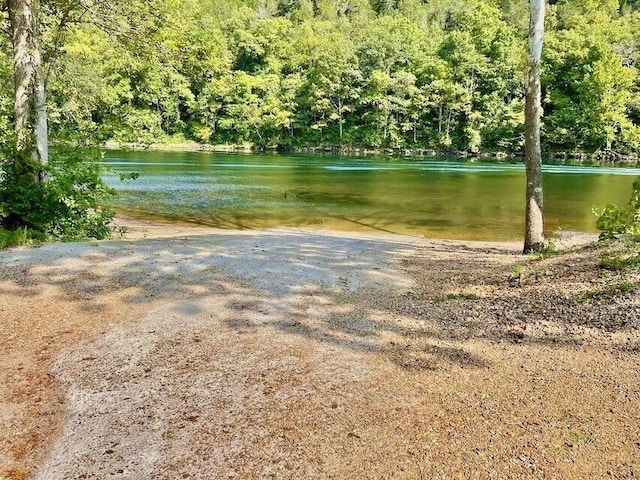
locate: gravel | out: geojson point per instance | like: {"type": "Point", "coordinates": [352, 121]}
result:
{"type": "Point", "coordinates": [190, 353]}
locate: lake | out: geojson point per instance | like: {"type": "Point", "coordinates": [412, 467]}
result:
{"type": "Point", "coordinates": [440, 198]}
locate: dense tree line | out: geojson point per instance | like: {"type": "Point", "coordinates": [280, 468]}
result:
{"type": "Point", "coordinates": [399, 73]}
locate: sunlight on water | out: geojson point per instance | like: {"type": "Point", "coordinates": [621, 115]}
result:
{"type": "Point", "coordinates": [436, 198]}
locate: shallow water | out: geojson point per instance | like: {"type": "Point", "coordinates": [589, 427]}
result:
{"type": "Point", "coordinates": [443, 198]}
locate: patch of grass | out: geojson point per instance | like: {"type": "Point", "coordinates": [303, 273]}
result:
{"type": "Point", "coordinates": [566, 416]}
{"type": "Point", "coordinates": [517, 274]}
{"type": "Point", "coordinates": [14, 238]}
{"type": "Point", "coordinates": [581, 437]}
{"type": "Point", "coordinates": [518, 271]}
{"type": "Point", "coordinates": [610, 291]}
{"type": "Point", "coordinates": [418, 292]}
{"type": "Point", "coordinates": [458, 296]}
{"type": "Point", "coordinates": [540, 272]}
{"type": "Point", "coordinates": [625, 287]}
{"type": "Point", "coordinates": [617, 262]}
{"type": "Point", "coordinates": [549, 249]}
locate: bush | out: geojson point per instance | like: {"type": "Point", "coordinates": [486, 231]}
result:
{"type": "Point", "coordinates": [69, 206]}
{"type": "Point", "coordinates": [13, 238]}
{"type": "Point", "coordinates": [614, 222]}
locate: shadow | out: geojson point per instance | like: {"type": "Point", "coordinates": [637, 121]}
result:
{"type": "Point", "coordinates": [276, 279]}
{"type": "Point", "coordinates": [563, 299]}
{"type": "Point", "coordinates": [377, 225]}
{"type": "Point", "coordinates": [409, 302]}
{"type": "Point", "coordinates": [227, 221]}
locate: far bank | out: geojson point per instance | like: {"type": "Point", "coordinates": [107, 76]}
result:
{"type": "Point", "coordinates": [603, 157]}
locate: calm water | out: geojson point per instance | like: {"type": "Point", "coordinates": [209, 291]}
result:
{"type": "Point", "coordinates": [436, 198]}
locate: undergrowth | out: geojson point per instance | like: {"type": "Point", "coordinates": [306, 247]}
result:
{"type": "Point", "coordinates": [617, 222]}
{"type": "Point", "coordinates": [621, 288]}
{"type": "Point", "coordinates": [617, 262]}
{"type": "Point", "coordinates": [69, 206]}
{"type": "Point", "coordinates": [14, 238]}
{"type": "Point", "coordinates": [457, 296]}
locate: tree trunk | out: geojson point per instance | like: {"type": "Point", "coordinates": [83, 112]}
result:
{"type": "Point", "coordinates": [30, 102]}
{"type": "Point", "coordinates": [41, 151]}
{"type": "Point", "coordinates": [24, 73]}
{"type": "Point", "coordinates": [534, 222]}
{"type": "Point", "coordinates": [340, 117]}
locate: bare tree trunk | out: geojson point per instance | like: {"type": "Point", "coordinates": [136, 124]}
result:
{"type": "Point", "coordinates": [340, 117]}
{"type": "Point", "coordinates": [30, 102]}
{"type": "Point", "coordinates": [24, 73]}
{"type": "Point", "coordinates": [534, 221]}
{"type": "Point", "coordinates": [41, 129]}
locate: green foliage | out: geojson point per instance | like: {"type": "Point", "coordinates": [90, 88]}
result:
{"type": "Point", "coordinates": [591, 78]}
{"type": "Point", "coordinates": [614, 221]}
{"type": "Point", "coordinates": [443, 74]}
{"type": "Point", "coordinates": [518, 271]}
{"type": "Point", "coordinates": [581, 437]}
{"type": "Point", "coordinates": [548, 250]}
{"type": "Point", "coordinates": [69, 206]}
{"type": "Point", "coordinates": [14, 238]}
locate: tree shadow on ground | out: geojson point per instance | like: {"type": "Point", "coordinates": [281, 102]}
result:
{"type": "Point", "coordinates": [551, 300]}
{"type": "Point", "coordinates": [349, 290]}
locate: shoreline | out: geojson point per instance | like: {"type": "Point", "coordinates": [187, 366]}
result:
{"type": "Point", "coordinates": [145, 227]}
{"type": "Point", "coordinates": [596, 158]}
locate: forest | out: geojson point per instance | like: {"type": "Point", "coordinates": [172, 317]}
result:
{"type": "Point", "coordinates": [441, 74]}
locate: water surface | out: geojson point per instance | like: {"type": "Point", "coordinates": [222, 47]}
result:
{"type": "Point", "coordinates": [436, 197]}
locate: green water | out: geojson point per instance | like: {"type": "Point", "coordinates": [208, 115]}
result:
{"type": "Point", "coordinates": [436, 198]}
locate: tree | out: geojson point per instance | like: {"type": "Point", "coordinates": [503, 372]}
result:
{"type": "Point", "coordinates": [30, 98]}
{"type": "Point", "coordinates": [332, 79]}
{"type": "Point", "coordinates": [534, 220]}
{"type": "Point", "coordinates": [442, 74]}
{"type": "Point", "coordinates": [591, 65]}
{"type": "Point", "coordinates": [30, 88]}
{"type": "Point", "coordinates": [61, 199]}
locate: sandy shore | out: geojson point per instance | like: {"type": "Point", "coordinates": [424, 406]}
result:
{"type": "Point", "coordinates": [183, 352]}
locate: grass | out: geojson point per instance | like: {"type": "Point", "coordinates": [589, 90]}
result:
{"type": "Point", "coordinates": [457, 296]}
{"type": "Point", "coordinates": [14, 238]}
{"type": "Point", "coordinates": [549, 249]}
{"type": "Point", "coordinates": [617, 262]}
{"type": "Point", "coordinates": [612, 290]}
{"type": "Point", "coordinates": [581, 437]}
{"type": "Point", "coordinates": [517, 274]}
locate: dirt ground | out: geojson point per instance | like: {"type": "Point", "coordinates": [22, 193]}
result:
{"type": "Point", "coordinates": [182, 352]}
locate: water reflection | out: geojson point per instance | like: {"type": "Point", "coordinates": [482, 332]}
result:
{"type": "Point", "coordinates": [436, 198]}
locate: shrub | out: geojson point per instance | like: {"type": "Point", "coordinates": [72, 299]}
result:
{"type": "Point", "coordinates": [69, 206]}
{"type": "Point", "coordinates": [13, 238]}
{"type": "Point", "coordinates": [614, 221]}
